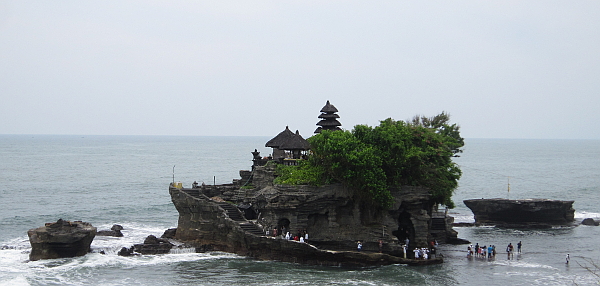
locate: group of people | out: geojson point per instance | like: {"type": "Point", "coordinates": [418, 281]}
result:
{"type": "Point", "coordinates": [423, 253]}
{"type": "Point", "coordinates": [301, 236]}
{"type": "Point", "coordinates": [490, 251]}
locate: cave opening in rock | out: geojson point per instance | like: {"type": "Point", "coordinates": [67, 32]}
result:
{"type": "Point", "coordinates": [283, 223]}
{"type": "Point", "coordinates": [405, 228]}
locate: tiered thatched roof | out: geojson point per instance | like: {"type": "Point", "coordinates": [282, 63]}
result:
{"type": "Point", "coordinates": [328, 118]}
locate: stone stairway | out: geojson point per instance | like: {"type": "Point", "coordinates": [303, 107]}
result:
{"type": "Point", "coordinates": [234, 213]}
{"type": "Point", "coordinates": [192, 192]}
{"type": "Point", "coordinates": [438, 224]}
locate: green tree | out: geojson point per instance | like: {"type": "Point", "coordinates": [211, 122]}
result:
{"type": "Point", "coordinates": [370, 160]}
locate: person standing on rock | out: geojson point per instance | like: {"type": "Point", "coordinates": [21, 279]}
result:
{"type": "Point", "coordinates": [359, 246]}
{"type": "Point", "coordinates": [568, 258]}
{"type": "Point", "coordinates": [380, 246]}
{"type": "Point", "coordinates": [404, 248]}
{"type": "Point", "coordinates": [519, 247]}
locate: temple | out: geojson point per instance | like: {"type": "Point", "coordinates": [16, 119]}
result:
{"type": "Point", "coordinates": [328, 118]}
{"type": "Point", "coordinates": [253, 215]}
{"type": "Point", "coordinates": [287, 145]}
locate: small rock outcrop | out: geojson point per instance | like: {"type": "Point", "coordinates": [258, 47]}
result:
{"type": "Point", "coordinates": [536, 212]}
{"type": "Point", "coordinates": [590, 221]}
{"type": "Point", "coordinates": [115, 231]}
{"type": "Point", "coordinates": [126, 251]}
{"type": "Point", "coordinates": [153, 245]}
{"type": "Point", "coordinates": [169, 233]}
{"type": "Point", "coordinates": [61, 239]}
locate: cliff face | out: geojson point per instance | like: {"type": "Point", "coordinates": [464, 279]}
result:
{"type": "Point", "coordinates": [210, 225]}
{"type": "Point", "coordinates": [331, 215]}
{"type": "Point", "coordinates": [521, 211]}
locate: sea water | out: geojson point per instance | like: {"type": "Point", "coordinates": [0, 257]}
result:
{"type": "Point", "coordinates": [124, 180]}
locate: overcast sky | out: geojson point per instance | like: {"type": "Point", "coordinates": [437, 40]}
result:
{"type": "Point", "coordinates": [505, 69]}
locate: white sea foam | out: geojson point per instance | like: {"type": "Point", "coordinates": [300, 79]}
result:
{"type": "Point", "coordinates": [15, 269]}
{"type": "Point", "coordinates": [521, 264]}
{"type": "Point", "coordinates": [583, 215]}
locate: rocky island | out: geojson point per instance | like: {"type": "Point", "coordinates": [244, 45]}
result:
{"type": "Point", "coordinates": [522, 213]}
{"type": "Point", "coordinates": [61, 239]}
{"type": "Point", "coordinates": [256, 217]}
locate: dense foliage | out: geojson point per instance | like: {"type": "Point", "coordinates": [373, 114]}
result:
{"type": "Point", "coordinates": [372, 159]}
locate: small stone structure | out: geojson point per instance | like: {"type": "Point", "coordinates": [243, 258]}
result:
{"type": "Point", "coordinates": [61, 239]}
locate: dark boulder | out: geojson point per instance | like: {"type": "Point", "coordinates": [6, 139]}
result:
{"type": "Point", "coordinates": [115, 231]}
{"type": "Point", "coordinates": [126, 251]}
{"type": "Point", "coordinates": [61, 239]}
{"type": "Point", "coordinates": [154, 245]}
{"type": "Point", "coordinates": [169, 233]}
{"type": "Point", "coordinates": [590, 221]}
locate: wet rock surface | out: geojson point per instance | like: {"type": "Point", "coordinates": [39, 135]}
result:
{"type": "Point", "coordinates": [536, 213]}
{"type": "Point", "coordinates": [114, 231]}
{"type": "Point", "coordinates": [210, 219]}
{"type": "Point", "coordinates": [61, 239]}
{"type": "Point", "coordinates": [590, 221]}
{"type": "Point", "coordinates": [153, 245]}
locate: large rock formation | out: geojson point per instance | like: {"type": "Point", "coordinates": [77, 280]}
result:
{"type": "Point", "coordinates": [61, 239]}
{"type": "Point", "coordinates": [527, 211]}
{"type": "Point", "coordinates": [332, 216]}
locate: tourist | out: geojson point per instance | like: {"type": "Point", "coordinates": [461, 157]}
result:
{"type": "Point", "coordinates": [359, 246]}
{"type": "Point", "coordinates": [380, 246]}
{"type": "Point", "coordinates": [287, 236]}
{"type": "Point", "coordinates": [194, 185]}
{"type": "Point", "coordinates": [416, 251]}
{"type": "Point", "coordinates": [568, 258]}
{"type": "Point", "coordinates": [519, 247]}
{"type": "Point", "coordinates": [404, 248]}
{"type": "Point", "coordinates": [301, 239]}
{"type": "Point", "coordinates": [406, 241]}
{"type": "Point", "coordinates": [490, 251]}
{"type": "Point", "coordinates": [509, 250]}
{"type": "Point", "coordinates": [305, 236]}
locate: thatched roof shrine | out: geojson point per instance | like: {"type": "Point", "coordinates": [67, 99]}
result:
{"type": "Point", "coordinates": [287, 140]}
{"type": "Point", "coordinates": [295, 143]}
{"type": "Point", "coordinates": [328, 118]}
{"type": "Point", "coordinates": [281, 138]}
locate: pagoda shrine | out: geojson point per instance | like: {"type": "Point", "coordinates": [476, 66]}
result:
{"type": "Point", "coordinates": [328, 118]}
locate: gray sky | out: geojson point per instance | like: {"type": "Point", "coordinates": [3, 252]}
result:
{"type": "Point", "coordinates": [502, 69]}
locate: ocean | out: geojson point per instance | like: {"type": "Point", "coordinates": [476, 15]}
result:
{"type": "Point", "coordinates": [106, 180]}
